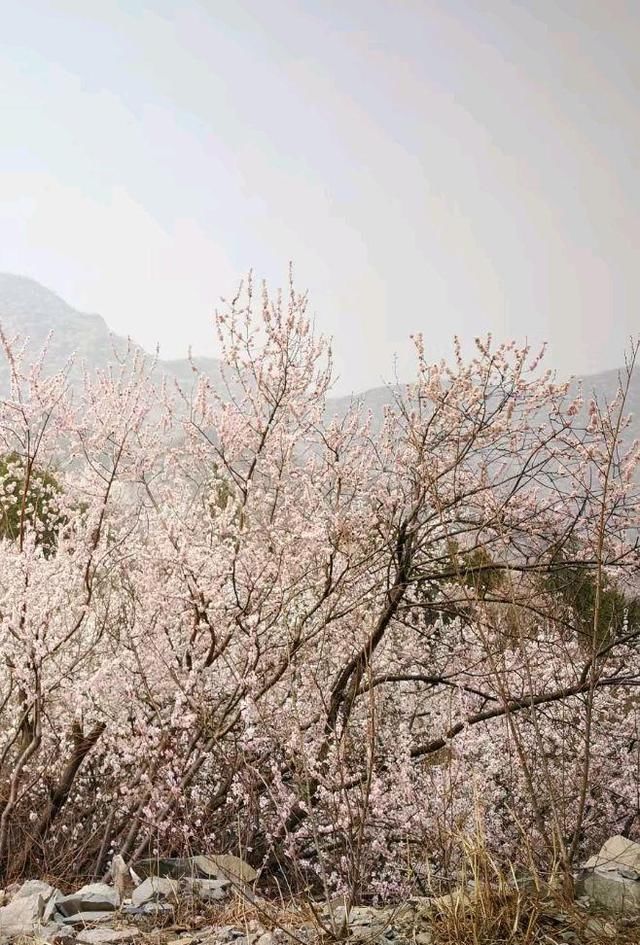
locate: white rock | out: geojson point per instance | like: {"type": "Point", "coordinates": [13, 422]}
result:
{"type": "Point", "coordinates": [616, 852]}
{"type": "Point", "coordinates": [108, 936]}
{"type": "Point", "coordinates": [82, 919]}
{"type": "Point", "coordinates": [611, 878]}
{"type": "Point", "coordinates": [34, 886]}
{"type": "Point", "coordinates": [611, 891]}
{"type": "Point", "coordinates": [209, 890]}
{"type": "Point", "coordinates": [23, 915]}
{"type": "Point", "coordinates": [54, 934]}
{"type": "Point", "coordinates": [225, 865]}
{"type": "Point", "coordinates": [457, 901]}
{"type": "Point", "coordinates": [154, 889]}
{"type": "Point", "coordinates": [94, 897]}
{"type": "Point", "coordinates": [100, 891]}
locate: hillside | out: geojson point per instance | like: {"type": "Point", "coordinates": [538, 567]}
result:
{"type": "Point", "coordinates": [33, 311]}
{"type": "Point", "coordinates": [28, 308]}
{"type": "Point", "coordinates": [604, 384]}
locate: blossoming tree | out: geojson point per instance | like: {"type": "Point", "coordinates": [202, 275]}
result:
{"type": "Point", "coordinates": [229, 621]}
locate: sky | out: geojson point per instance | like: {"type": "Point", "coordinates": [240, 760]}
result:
{"type": "Point", "coordinates": [444, 167]}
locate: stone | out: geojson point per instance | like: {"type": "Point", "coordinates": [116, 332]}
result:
{"type": "Point", "coordinates": [224, 865]}
{"type": "Point", "coordinates": [610, 891]}
{"type": "Point", "coordinates": [169, 867]}
{"type": "Point", "coordinates": [365, 915]}
{"type": "Point", "coordinates": [108, 936]}
{"type": "Point", "coordinates": [51, 913]}
{"type": "Point", "coordinates": [364, 923]}
{"type": "Point", "coordinates": [617, 853]}
{"type": "Point", "coordinates": [154, 889]}
{"type": "Point", "coordinates": [120, 875]}
{"type": "Point", "coordinates": [87, 918]}
{"type": "Point", "coordinates": [94, 897]}
{"type": "Point", "coordinates": [55, 934]}
{"type": "Point", "coordinates": [267, 938]}
{"type": "Point", "coordinates": [596, 928]}
{"type": "Point", "coordinates": [208, 890]}
{"type": "Point", "coordinates": [128, 909]}
{"type": "Point", "coordinates": [23, 915]}
{"type": "Point", "coordinates": [220, 934]}
{"type": "Point", "coordinates": [157, 909]}
{"type": "Point", "coordinates": [217, 866]}
{"type": "Point", "coordinates": [458, 900]}
{"type": "Point", "coordinates": [611, 878]}
{"type": "Point", "coordinates": [425, 937]}
{"type": "Point", "coordinates": [34, 886]}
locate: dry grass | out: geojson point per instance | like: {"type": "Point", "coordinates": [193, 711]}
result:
{"type": "Point", "coordinates": [490, 905]}
{"type": "Point", "coordinates": [494, 907]}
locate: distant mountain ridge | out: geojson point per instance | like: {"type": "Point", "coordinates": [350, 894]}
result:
{"type": "Point", "coordinates": [30, 309]}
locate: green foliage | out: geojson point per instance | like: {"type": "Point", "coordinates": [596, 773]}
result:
{"type": "Point", "coordinates": [29, 502]}
{"type": "Point", "coordinates": [577, 587]}
{"type": "Point", "coordinates": [479, 572]}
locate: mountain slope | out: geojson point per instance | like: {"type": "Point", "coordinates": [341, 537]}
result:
{"type": "Point", "coordinates": [604, 385]}
{"type": "Point", "coordinates": [28, 308]}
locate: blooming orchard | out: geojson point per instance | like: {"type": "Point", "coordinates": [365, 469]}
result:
{"type": "Point", "coordinates": [228, 622]}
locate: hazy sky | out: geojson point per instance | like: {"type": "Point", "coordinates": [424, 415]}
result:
{"type": "Point", "coordinates": [436, 166]}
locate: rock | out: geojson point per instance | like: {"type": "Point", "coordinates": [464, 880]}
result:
{"type": "Point", "coordinates": [157, 909]}
{"type": "Point", "coordinates": [54, 934]}
{"type": "Point", "coordinates": [208, 890]}
{"type": "Point", "coordinates": [218, 866]}
{"type": "Point", "coordinates": [267, 938]}
{"type": "Point", "coordinates": [598, 929]}
{"type": "Point", "coordinates": [128, 909]}
{"type": "Point", "coordinates": [152, 908]}
{"type": "Point", "coordinates": [224, 866]}
{"type": "Point", "coordinates": [425, 937]}
{"type": "Point", "coordinates": [90, 917]}
{"type": "Point", "coordinates": [23, 915]}
{"type": "Point", "coordinates": [365, 915]}
{"type": "Point", "coordinates": [154, 889]}
{"type": "Point", "coordinates": [95, 897]}
{"type": "Point", "coordinates": [171, 867]}
{"type": "Point", "coordinates": [51, 913]}
{"type": "Point", "coordinates": [34, 886]}
{"type": "Point", "coordinates": [611, 891]}
{"type": "Point", "coordinates": [611, 878]}
{"type": "Point", "coordinates": [108, 936]}
{"type": "Point", "coordinates": [457, 901]}
{"type": "Point", "coordinates": [364, 923]}
{"type": "Point", "coordinates": [120, 875]}
{"type": "Point", "coordinates": [368, 920]}
{"type": "Point", "coordinates": [617, 853]}
{"type": "Point", "coordinates": [31, 907]}
{"type": "Point", "coordinates": [213, 938]}
{"type": "Point", "coordinates": [220, 934]}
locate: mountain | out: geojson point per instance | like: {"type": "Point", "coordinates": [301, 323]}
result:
{"type": "Point", "coordinates": [30, 309]}
{"type": "Point", "coordinates": [603, 384]}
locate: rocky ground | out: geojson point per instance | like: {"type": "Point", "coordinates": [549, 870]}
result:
{"type": "Point", "coordinates": [212, 900]}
